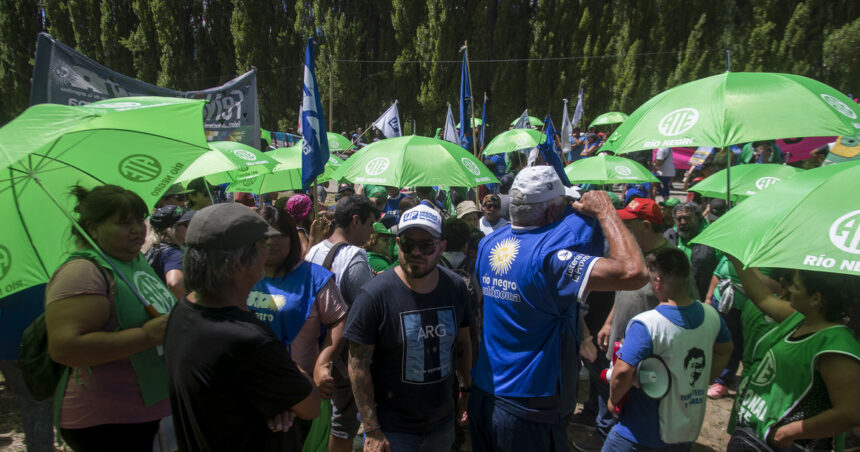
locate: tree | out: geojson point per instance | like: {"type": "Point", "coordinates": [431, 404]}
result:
{"type": "Point", "coordinates": [19, 25]}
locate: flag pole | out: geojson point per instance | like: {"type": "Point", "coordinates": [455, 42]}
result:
{"type": "Point", "coordinates": [330, 93]}
{"type": "Point", "coordinates": [471, 102]}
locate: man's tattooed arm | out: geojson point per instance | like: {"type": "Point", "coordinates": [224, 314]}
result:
{"type": "Point", "coordinates": [360, 356]}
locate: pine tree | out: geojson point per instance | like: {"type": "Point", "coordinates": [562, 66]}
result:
{"type": "Point", "coordinates": [19, 26]}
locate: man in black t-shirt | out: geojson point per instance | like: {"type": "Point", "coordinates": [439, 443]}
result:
{"type": "Point", "coordinates": [408, 333]}
{"type": "Point", "coordinates": [232, 383]}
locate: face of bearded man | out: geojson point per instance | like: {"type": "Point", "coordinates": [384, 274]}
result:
{"type": "Point", "coordinates": [687, 223]}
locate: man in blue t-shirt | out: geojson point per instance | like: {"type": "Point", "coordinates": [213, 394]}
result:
{"type": "Point", "coordinates": [533, 276]}
{"type": "Point", "coordinates": [691, 339]}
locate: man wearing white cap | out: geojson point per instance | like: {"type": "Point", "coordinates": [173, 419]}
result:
{"type": "Point", "coordinates": [533, 275]}
{"type": "Point", "coordinates": [408, 333]}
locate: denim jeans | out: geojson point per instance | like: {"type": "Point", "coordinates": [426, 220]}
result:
{"type": "Point", "coordinates": [438, 439]}
{"type": "Point", "coordinates": [617, 443]}
{"type": "Point", "coordinates": [733, 323]}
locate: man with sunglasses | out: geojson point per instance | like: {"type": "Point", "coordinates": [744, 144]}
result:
{"type": "Point", "coordinates": [533, 275]}
{"type": "Point", "coordinates": [408, 333]}
{"type": "Point", "coordinates": [492, 219]}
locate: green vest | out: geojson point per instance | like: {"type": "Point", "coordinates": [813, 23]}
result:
{"type": "Point", "coordinates": [148, 365]}
{"type": "Point", "coordinates": [782, 373]}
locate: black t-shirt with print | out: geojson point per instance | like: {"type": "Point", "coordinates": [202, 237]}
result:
{"type": "Point", "coordinates": [414, 337]}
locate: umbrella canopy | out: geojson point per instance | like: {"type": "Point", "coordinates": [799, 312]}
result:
{"type": "Point", "coordinates": [534, 121]}
{"type": "Point", "coordinates": [736, 107]}
{"type": "Point", "coordinates": [475, 122]}
{"type": "Point", "coordinates": [286, 175]}
{"type": "Point", "coordinates": [608, 169]}
{"type": "Point", "coordinates": [140, 143]}
{"type": "Point", "coordinates": [514, 140]}
{"type": "Point", "coordinates": [612, 117]}
{"type": "Point", "coordinates": [228, 161]}
{"type": "Point", "coordinates": [810, 221]}
{"type": "Point", "coordinates": [336, 142]}
{"type": "Point", "coordinates": [747, 180]}
{"type": "Point", "coordinates": [414, 160]}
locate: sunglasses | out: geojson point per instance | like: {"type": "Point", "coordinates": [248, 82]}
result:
{"type": "Point", "coordinates": [426, 247]}
{"type": "Point", "coordinates": [492, 206]}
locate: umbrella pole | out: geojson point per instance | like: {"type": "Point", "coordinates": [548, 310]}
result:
{"type": "Point", "coordinates": [208, 191]}
{"type": "Point", "coordinates": [150, 309]}
{"type": "Point", "coordinates": [728, 178]}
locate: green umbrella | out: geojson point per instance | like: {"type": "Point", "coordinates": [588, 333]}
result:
{"type": "Point", "coordinates": [810, 221]}
{"type": "Point", "coordinates": [535, 121]}
{"type": "Point", "coordinates": [140, 143]}
{"type": "Point", "coordinates": [736, 107]}
{"type": "Point", "coordinates": [336, 142]}
{"type": "Point", "coordinates": [414, 160]}
{"type": "Point", "coordinates": [228, 161]}
{"type": "Point", "coordinates": [286, 174]}
{"type": "Point", "coordinates": [514, 140]}
{"type": "Point", "coordinates": [475, 122]}
{"type": "Point", "coordinates": [612, 117]}
{"type": "Point", "coordinates": [266, 135]}
{"type": "Point", "coordinates": [747, 180]}
{"type": "Point", "coordinates": [607, 169]}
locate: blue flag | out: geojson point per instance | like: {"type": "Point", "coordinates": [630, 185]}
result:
{"type": "Point", "coordinates": [547, 151]}
{"type": "Point", "coordinates": [484, 122]}
{"type": "Point", "coordinates": [314, 138]}
{"type": "Point", "coordinates": [465, 107]}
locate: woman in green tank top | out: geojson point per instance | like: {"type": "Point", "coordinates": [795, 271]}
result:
{"type": "Point", "coordinates": [802, 389]}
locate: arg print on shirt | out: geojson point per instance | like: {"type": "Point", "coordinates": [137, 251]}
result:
{"type": "Point", "coordinates": [428, 338]}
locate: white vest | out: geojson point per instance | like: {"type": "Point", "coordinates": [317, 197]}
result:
{"type": "Point", "coordinates": [688, 355]}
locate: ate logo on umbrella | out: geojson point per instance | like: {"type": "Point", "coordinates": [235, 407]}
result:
{"type": "Point", "coordinates": [623, 170]}
{"type": "Point", "coordinates": [765, 182]}
{"type": "Point", "coordinates": [376, 166]}
{"type": "Point", "coordinates": [839, 106]}
{"type": "Point", "coordinates": [678, 121]}
{"type": "Point", "coordinates": [470, 165]}
{"type": "Point", "coordinates": [139, 168]}
{"type": "Point", "coordinates": [5, 261]}
{"type": "Point", "coordinates": [845, 232]}
{"type": "Point", "coordinates": [244, 155]}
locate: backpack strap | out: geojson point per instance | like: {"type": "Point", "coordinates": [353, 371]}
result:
{"type": "Point", "coordinates": [329, 259]}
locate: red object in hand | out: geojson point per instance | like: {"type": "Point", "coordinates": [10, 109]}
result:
{"type": "Point", "coordinates": [606, 374]}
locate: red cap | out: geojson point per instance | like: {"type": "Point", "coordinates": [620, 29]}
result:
{"type": "Point", "coordinates": [643, 209]}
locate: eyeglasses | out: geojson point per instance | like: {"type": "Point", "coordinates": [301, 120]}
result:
{"type": "Point", "coordinates": [492, 206]}
{"type": "Point", "coordinates": [426, 247]}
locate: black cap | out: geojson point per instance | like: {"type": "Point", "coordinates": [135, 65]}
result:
{"type": "Point", "coordinates": [343, 187]}
{"type": "Point", "coordinates": [186, 217]}
{"type": "Point", "coordinates": [165, 217]}
{"type": "Point", "coordinates": [227, 226]}
{"type": "Point", "coordinates": [176, 189]}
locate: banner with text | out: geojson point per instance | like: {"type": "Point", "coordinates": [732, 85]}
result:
{"type": "Point", "coordinates": [61, 75]}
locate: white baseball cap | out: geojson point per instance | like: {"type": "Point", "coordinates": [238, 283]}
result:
{"type": "Point", "coordinates": [423, 217]}
{"type": "Point", "coordinates": [541, 183]}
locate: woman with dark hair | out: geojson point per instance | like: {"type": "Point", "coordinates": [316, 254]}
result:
{"type": "Point", "coordinates": [115, 392]}
{"type": "Point", "coordinates": [168, 226]}
{"type": "Point", "coordinates": [296, 298]}
{"type": "Point", "coordinates": [802, 389]}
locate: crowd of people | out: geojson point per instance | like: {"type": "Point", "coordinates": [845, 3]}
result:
{"type": "Point", "coordinates": [413, 318]}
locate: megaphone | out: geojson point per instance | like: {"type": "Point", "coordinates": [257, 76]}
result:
{"type": "Point", "coordinates": [653, 377]}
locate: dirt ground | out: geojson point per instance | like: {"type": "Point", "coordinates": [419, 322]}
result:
{"type": "Point", "coordinates": [712, 438]}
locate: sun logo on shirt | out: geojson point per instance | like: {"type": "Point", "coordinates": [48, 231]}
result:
{"type": "Point", "coordinates": [503, 254]}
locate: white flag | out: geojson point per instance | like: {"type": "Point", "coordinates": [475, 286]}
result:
{"type": "Point", "coordinates": [449, 133]}
{"type": "Point", "coordinates": [566, 129]}
{"type": "Point", "coordinates": [523, 122]}
{"type": "Point", "coordinates": [577, 112]}
{"type": "Point", "coordinates": [389, 122]}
